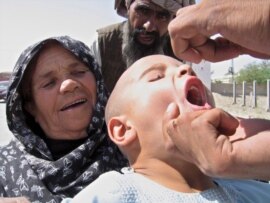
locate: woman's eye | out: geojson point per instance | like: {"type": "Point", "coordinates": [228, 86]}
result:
{"type": "Point", "coordinates": [48, 84]}
{"type": "Point", "coordinates": [79, 73]}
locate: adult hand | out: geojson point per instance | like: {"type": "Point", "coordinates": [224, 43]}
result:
{"type": "Point", "coordinates": [14, 200]}
{"type": "Point", "coordinates": [243, 25]}
{"type": "Point", "coordinates": [202, 137]}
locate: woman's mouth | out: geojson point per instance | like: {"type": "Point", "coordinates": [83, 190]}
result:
{"type": "Point", "coordinates": [74, 104]}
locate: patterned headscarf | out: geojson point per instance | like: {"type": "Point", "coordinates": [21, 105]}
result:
{"type": "Point", "coordinates": [121, 6]}
{"type": "Point", "coordinates": [27, 166]}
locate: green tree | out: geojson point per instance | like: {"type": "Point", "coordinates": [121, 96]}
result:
{"type": "Point", "coordinates": [255, 71]}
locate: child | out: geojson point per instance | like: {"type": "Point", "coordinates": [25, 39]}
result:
{"type": "Point", "coordinates": [157, 173]}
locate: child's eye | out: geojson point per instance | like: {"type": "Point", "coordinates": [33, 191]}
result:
{"type": "Point", "coordinates": [155, 77]}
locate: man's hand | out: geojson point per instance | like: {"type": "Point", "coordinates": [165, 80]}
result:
{"type": "Point", "coordinates": [243, 26]}
{"type": "Point", "coordinates": [201, 137]}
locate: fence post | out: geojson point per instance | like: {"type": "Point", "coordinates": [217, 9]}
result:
{"type": "Point", "coordinates": [254, 103]}
{"type": "Point", "coordinates": [244, 93]}
{"type": "Point", "coordinates": [268, 96]}
{"type": "Point", "coordinates": [234, 92]}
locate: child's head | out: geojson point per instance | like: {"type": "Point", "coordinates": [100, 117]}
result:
{"type": "Point", "coordinates": [140, 98]}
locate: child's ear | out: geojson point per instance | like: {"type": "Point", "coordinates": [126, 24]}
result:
{"type": "Point", "coordinates": [121, 132]}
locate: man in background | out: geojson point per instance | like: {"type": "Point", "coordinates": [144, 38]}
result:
{"type": "Point", "coordinates": [145, 32]}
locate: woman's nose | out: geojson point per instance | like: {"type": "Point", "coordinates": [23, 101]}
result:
{"type": "Point", "coordinates": [68, 85]}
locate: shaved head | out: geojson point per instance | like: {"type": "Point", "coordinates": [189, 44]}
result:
{"type": "Point", "coordinates": [136, 106]}
{"type": "Point", "coordinates": [118, 98]}
{"type": "Point", "coordinates": [121, 94]}
{"type": "Point", "coordinates": [123, 97]}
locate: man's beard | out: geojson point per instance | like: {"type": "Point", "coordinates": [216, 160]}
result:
{"type": "Point", "coordinates": [133, 50]}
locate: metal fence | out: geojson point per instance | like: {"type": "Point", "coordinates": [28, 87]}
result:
{"type": "Point", "coordinates": [244, 91]}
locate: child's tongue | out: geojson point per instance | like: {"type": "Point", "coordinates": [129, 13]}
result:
{"type": "Point", "coordinates": [194, 96]}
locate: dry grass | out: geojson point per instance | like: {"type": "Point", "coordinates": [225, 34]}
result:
{"type": "Point", "coordinates": [247, 111]}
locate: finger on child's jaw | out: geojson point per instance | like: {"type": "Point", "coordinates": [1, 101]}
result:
{"type": "Point", "coordinates": [172, 111]}
{"type": "Point", "coordinates": [167, 134]}
{"type": "Point", "coordinates": [227, 123]}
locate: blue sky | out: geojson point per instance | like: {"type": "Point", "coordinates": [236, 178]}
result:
{"type": "Point", "coordinates": [24, 22]}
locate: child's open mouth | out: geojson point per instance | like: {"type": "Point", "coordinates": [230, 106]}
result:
{"type": "Point", "coordinates": [195, 93]}
{"type": "Point", "coordinates": [194, 96]}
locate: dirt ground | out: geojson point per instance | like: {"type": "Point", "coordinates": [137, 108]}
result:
{"type": "Point", "coordinates": [247, 111]}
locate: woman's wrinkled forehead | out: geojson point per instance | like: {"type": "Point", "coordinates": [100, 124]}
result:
{"type": "Point", "coordinates": [53, 53]}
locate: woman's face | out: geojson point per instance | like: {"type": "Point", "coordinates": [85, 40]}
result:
{"type": "Point", "coordinates": [64, 94]}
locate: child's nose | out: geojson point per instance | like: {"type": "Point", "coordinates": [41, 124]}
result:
{"type": "Point", "coordinates": [185, 69]}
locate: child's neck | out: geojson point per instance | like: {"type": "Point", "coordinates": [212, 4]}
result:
{"type": "Point", "coordinates": [184, 178]}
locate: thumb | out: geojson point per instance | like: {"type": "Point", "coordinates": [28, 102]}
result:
{"type": "Point", "coordinates": [172, 112]}
{"type": "Point", "coordinates": [225, 123]}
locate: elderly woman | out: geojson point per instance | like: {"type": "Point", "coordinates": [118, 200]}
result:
{"type": "Point", "coordinates": [55, 110]}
